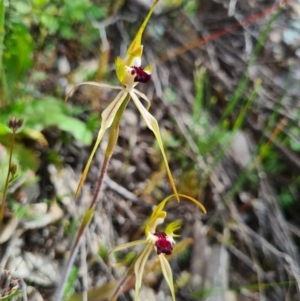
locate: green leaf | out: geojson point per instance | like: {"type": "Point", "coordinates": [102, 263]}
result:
{"type": "Point", "coordinates": [49, 19]}
{"type": "Point", "coordinates": [73, 126]}
{"type": "Point", "coordinates": [70, 286]}
{"type": "Point", "coordinates": [23, 7]}
{"type": "Point", "coordinates": [26, 157]}
{"type": "Point", "coordinates": [17, 55]}
{"type": "Point", "coordinates": [43, 113]}
{"type": "Point", "coordinates": [21, 155]}
{"type": "Point", "coordinates": [4, 129]}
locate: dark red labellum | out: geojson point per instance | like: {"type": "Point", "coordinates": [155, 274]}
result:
{"type": "Point", "coordinates": [141, 75]}
{"type": "Point", "coordinates": [163, 245]}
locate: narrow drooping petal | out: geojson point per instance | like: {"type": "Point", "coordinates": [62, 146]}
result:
{"type": "Point", "coordinates": [167, 272]}
{"type": "Point", "coordinates": [152, 124]}
{"type": "Point", "coordinates": [158, 215]}
{"type": "Point", "coordinates": [159, 208]}
{"type": "Point", "coordinates": [142, 95]}
{"type": "Point", "coordinates": [125, 246]}
{"type": "Point", "coordinates": [139, 269]}
{"type": "Point", "coordinates": [106, 86]}
{"type": "Point", "coordinates": [108, 116]}
{"type": "Point", "coordinates": [128, 245]}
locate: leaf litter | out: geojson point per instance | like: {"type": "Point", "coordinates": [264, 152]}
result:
{"type": "Point", "coordinates": [246, 247]}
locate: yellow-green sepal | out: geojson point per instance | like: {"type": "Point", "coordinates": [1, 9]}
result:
{"type": "Point", "coordinates": [139, 267]}
{"type": "Point", "coordinates": [172, 227]}
{"type": "Point", "coordinates": [135, 49]}
{"type": "Point", "coordinates": [108, 116]}
{"type": "Point", "coordinates": [162, 204]}
{"type": "Point", "coordinates": [156, 218]}
{"type": "Point", "coordinates": [152, 124]}
{"type": "Point", "coordinates": [167, 272]}
{"type": "Point", "coordinates": [120, 69]}
{"type": "Point", "coordinates": [134, 59]}
{"type": "Point", "coordinates": [148, 69]}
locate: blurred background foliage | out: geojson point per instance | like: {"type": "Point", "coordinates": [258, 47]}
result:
{"type": "Point", "coordinates": [32, 27]}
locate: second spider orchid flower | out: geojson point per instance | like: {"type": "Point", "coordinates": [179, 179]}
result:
{"type": "Point", "coordinates": [161, 242]}
{"type": "Point", "coordinates": [129, 73]}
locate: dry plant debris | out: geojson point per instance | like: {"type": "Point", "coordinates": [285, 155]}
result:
{"type": "Point", "coordinates": [246, 248]}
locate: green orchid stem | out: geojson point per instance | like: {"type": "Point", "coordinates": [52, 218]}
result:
{"type": "Point", "coordinates": [3, 85]}
{"type": "Point", "coordinates": [112, 141]}
{"type": "Point", "coordinates": [58, 296]}
{"type": "Point", "coordinates": [113, 137]}
{"type": "Point", "coordinates": [12, 143]}
{"type": "Point", "coordinates": [129, 273]}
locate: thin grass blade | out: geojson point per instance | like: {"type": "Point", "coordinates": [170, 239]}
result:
{"type": "Point", "coordinates": [245, 79]}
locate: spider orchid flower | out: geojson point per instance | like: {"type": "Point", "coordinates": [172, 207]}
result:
{"type": "Point", "coordinates": [161, 242]}
{"type": "Point", "coordinates": [129, 73]}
